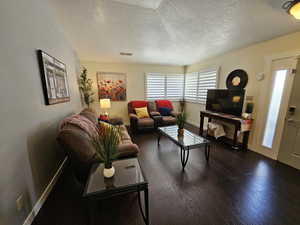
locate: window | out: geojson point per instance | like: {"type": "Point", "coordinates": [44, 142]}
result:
{"type": "Point", "coordinates": [164, 86]}
{"type": "Point", "coordinates": [174, 86]}
{"type": "Point", "coordinates": [274, 107]}
{"type": "Point", "coordinates": [191, 87]}
{"type": "Point", "coordinates": [197, 84]}
{"type": "Point", "coordinates": [155, 86]}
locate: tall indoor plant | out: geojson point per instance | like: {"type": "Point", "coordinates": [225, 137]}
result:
{"type": "Point", "coordinates": [180, 121]}
{"type": "Point", "coordinates": [86, 86]}
{"type": "Point", "coordinates": [106, 145]}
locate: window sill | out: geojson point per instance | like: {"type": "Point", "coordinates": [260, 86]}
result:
{"type": "Point", "coordinates": [195, 102]}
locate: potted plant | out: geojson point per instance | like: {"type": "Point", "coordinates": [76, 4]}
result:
{"type": "Point", "coordinates": [180, 121]}
{"type": "Point", "coordinates": [86, 86]}
{"type": "Point", "coordinates": [106, 142]}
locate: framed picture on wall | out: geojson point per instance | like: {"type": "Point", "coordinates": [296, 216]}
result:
{"type": "Point", "coordinates": [54, 79]}
{"type": "Point", "coordinates": [112, 86]}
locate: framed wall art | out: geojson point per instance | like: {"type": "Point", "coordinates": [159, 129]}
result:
{"type": "Point", "coordinates": [112, 86]}
{"type": "Point", "coordinates": [54, 79]}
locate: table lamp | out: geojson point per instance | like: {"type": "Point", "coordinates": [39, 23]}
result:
{"type": "Point", "coordinates": [105, 104]}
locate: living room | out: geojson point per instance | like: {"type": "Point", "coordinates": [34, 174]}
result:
{"type": "Point", "coordinates": [171, 57]}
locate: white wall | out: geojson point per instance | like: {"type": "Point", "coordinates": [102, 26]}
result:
{"type": "Point", "coordinates": [135, 82]}
{"type": "Point", "coordinates": [29, 154]}
{"type": "Point", "coordinates": [252, 59]}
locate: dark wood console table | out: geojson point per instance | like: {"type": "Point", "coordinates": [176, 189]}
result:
{"type": "Point", "coordinates": [236, 121]}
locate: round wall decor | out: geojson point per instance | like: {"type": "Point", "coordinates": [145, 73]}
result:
{"type": "Point", "coordinates": [237, 80]}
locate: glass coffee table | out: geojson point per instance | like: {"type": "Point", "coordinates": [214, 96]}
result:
{"type": "Point", "coordinates": [186, 142]}
{"type": "Point", "coordinates": [128, 178]}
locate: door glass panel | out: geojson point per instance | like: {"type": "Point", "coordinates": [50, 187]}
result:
{"type": "Point", "coordinates": [274, 107]}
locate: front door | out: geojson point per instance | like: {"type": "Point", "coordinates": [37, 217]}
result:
{"type": "Point", "coordinates": [278, 98]}
{"type": "Point", "coordinates": [289, 152]}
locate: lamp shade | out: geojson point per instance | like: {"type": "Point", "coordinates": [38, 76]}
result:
{"type": "Point", "coordinates": [105, 103]}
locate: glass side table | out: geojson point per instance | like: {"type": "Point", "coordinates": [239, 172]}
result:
{"type": "Point", "coordinates": [128, 178]}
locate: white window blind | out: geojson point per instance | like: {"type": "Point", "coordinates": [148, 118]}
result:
{"type": "Point", "coordinates": [191, 87]}
{"type": "Point", "coordinates": [164, 86]}
{"type": "Point", "coordinates": [155, 86]}
{"type": "Point", "coordinates": [207, 80]}
{"type": "Point", "coordinates": [174, 86]}
{"type": "Point", "coordinates": [197, 84]}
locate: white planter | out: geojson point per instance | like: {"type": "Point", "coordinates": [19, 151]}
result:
{"type": "Point", "coordinates": [108, 173]}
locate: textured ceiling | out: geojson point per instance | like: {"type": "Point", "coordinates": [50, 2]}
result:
{"type": "Point", "coordinates": [177, 32]}
{"type": "Point", "coordinates": [150, 4]}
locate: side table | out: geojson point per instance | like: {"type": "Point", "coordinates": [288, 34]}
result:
{"type": "Point", "coordinates": [128, 178]}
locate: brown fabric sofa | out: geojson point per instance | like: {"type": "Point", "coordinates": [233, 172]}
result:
{"type": "Point", "coordinates": [76, 143]}
{"type": "Point", "coordinates": [155, 120]}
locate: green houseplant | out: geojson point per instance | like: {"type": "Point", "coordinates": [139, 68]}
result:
{"type": "Point", "coordinates": [106, 145]}
{"type": "Point", "coordinates": [86, 86]}
{"type": "Point", "coordinates": [180, 121]}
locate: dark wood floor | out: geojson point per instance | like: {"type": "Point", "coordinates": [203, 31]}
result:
{"type": "Point", "coordinates": [235, 188]}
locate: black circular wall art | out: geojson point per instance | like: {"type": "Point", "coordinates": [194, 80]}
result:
{"type": "Point", "coordinates": [237, 80]}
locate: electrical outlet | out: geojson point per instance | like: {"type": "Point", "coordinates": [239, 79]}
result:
{"type": "Point", "coordinates": [20, 202]}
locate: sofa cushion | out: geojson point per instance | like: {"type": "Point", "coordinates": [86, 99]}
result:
{"type": "Point", "coordinates": [124, 134]}
{"type": "Point", "coordinates": [168, 120]}
{"type": "Point", "coordinates": [164, 103]}
{"type": "Point", "coordinates": [77, 143]}
{"type": "Point", "coordinates": [142, 112]}
{"type": "Point", "coordinates": [146, 122]}
{"type": "Point", "coordinates": [105, 126]}
{"type": "Point", "coordinates": [164, 111]}
{"type": "Point", "coordinates": [152, 106]}
{"type": "Point", "coordinates": [128, 150]}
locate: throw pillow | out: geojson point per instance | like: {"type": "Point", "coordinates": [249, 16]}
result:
{"type": "Point", "coordinates": [139, 104]}
{"type": "Point", "coordinates": [142, 112]}
{"type": "Point", "coordinates": [163, 104]}
{"type": "Point", "coordinates": [104, 125]}
{"type": "Point", "coordinates": [164, 111]}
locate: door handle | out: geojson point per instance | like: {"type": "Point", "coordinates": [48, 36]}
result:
{"type": "Point", "coordinates": [290, 120]}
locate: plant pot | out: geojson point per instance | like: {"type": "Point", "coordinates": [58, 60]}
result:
{"type": "Point", "coordinates": [108, 172]}
{"type": "Point", "coordinates": [180, 131]}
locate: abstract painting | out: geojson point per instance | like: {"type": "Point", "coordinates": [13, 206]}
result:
{"type": "Point", "coordinates": [112, 86]}
{"type": "Point", "coordinates": [54, 79]}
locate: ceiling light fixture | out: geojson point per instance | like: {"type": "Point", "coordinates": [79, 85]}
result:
{"type": "Point", "coordinates": [126, 53]}
{"type": "Point", "coordinates": [293, 8]}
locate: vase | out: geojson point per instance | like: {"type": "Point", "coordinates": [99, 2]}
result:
{"type": "Point", "coordinates": [108, 171]}
{"type": "Point", "coordinates": [180, 131]}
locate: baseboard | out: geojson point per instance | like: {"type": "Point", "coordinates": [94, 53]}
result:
{"type": "Point", "coordinates": [38, 205]}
